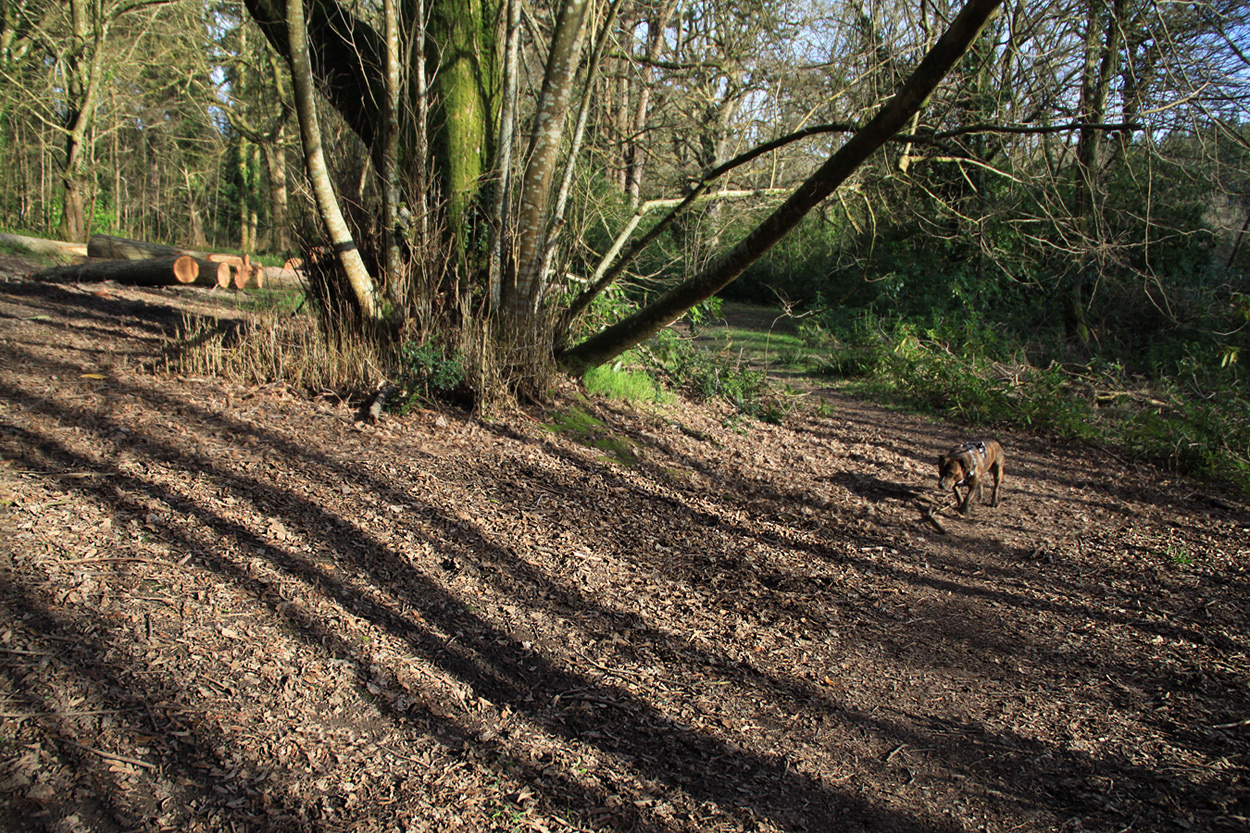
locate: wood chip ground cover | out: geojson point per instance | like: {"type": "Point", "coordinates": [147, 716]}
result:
{"type": "Point", "coordinates": [230, 608]}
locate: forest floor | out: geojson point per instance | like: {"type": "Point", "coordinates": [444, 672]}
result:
{"type": "Point", "coordinates": [242, 608]}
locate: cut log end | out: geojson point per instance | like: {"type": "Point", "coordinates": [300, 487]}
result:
{"type": "Point", "coordinates": [186, 270]}
{"type": "Point", "coordinates": [249, 274]}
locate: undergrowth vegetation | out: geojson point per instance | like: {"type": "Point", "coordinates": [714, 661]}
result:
{"type": "Point", "coordinates": [1195, 419]}
{"type": "Point", "coordinates": [273, 345]}
{"type": "Point", "coordinates": [270, 345]}
{"type": "Point", "coordinates": [674, 362]}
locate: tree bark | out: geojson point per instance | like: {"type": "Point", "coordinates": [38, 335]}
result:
{"type": "Point", "coordinates": [645, 323]}
{"type": "Point", "coordinates": [275, 168]}
{"type": "Point", "coordinates": [635, 148]}
{"type": "Point", "coordinates": [391, 235]}
{"type": "Point", "coordinates": [82, 84]}
{"type": "Point", "coordinates": [465, 89]}
{"type": "Point", "coordinates": [109, 247]}
{"type": "Point", "coordinates": [276, 277]}
{"type": "Point", "coordinates": [501, 210]}
{"type": "Point", "coordinates": [121, 248]}
{"type": "Point", "coordinates": [314, 157]}
{"type": "Point", "coordinates": [593, 67]}
{"type": "Point", "coordinates": [39, 246]}
{"type": "Point", "coordinates": [526, 289]}
{"type": "Point", "coordinates": [159, 271]}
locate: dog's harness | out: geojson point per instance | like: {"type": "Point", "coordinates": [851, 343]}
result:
{"type": "Point", "coordinates": [977, 450]}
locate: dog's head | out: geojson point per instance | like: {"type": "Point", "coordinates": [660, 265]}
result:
{"type": "Point", "coordinates": [952, 470]}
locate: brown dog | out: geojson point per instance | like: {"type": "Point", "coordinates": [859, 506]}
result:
{"type": "Point", "coordinates": [966, 465]}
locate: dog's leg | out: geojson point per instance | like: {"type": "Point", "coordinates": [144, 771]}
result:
{"type": "Point", "coordinates": [998, 477]}
{"type": "Point", "coordinates": [965, 508]}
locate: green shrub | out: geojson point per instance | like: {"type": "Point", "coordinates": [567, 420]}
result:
{"type": "Point", "coordinates": [705, 375]}
{"type": "Point", "coordinates": [427, 372]}
{"type": "Point", "coordinates": [1195, 420]}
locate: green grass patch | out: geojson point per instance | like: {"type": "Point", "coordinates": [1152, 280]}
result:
{"type": "Point", "coordinates": [284, 300]}
{"type": "Point", "coordinates": [619, 381]}
{"type": "Point", "coordinates": [587, 430]}
{"type": "Point", "coordinates": [759, 335]}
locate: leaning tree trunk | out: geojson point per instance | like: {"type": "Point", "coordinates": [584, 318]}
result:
{"type": "Point", "coordinates": [645, 323]}
{"type": "Point", "coordinates": [314, 157]}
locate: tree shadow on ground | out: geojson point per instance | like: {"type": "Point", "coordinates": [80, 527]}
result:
{"type": "Point", "coordinates": [684, 720]}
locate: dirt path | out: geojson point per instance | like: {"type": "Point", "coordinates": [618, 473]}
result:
{"type": "Point", "coordinates": [228, 608]}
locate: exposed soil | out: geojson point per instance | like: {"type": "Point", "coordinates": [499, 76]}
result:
{"type": "Point", "coordinates": [230, 608]}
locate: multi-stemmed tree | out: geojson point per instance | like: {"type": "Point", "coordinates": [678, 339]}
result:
{"type": "Point", "coordinates": [459, 105]}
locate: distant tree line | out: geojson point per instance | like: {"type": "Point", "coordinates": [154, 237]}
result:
{"type": "Point", "coordinates": [1084, 169]}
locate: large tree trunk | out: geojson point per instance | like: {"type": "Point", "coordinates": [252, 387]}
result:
{"type": "Point", "coordinates": [465, 83]}
{"type": "Point", "coordinates": [645, 323]}
{"type": "Point", "coordinates": [82, 84]}
{"type": "Point", "coordinates": [73, 214]}
{"type": "Point", "coordinates": [275, 167]}
{"type": "Point", "coordinates": [525, 293]}
{"type": "Point", "coordinates": [160, 271]}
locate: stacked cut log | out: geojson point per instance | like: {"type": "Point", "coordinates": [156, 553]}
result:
{"type": "Point", "coordinates": [226, 270]}
{"type": "Point", "coordinates": [150, 264]}
{"type": "Point", "coordinates": [243, 273]}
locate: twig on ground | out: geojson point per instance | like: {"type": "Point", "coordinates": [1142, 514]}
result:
{"type": "Point", "coordinates": [929, 512]}
{"type": "Point", "coordinates": [109, 756]}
